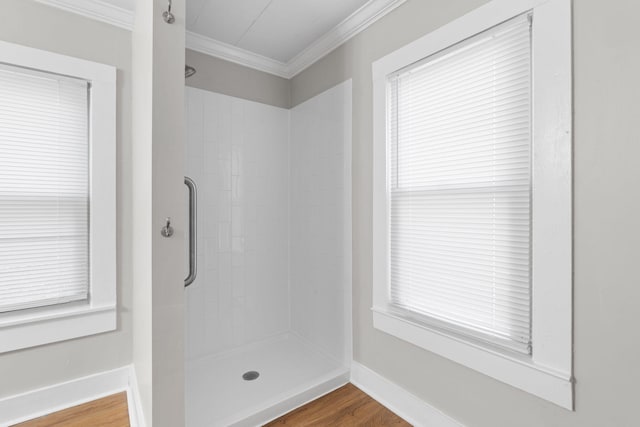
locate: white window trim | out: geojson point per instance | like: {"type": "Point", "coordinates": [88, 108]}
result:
{"type": "Point", "coordinates": [548, 373]}
{"type": "Point", "coordinates": [28, 328]}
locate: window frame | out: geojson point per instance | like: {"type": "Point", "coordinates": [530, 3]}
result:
{"type": "Point", "coordinates": [548, 372]}
{"type": "Point", "coordinates": [31, 327]}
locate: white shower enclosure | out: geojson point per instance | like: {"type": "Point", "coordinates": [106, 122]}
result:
{"type": "Point", "coordinates": [273, 290]}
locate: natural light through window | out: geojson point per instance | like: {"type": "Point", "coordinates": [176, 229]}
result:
{"type": "Point", "coordinates": [57, 197]}
{"type": "Point", "coordinates": [44, 189]}
{"type": "Point", "coordinates": [459, 186]}
{"type": "Point", "coordinates": [472, 194]}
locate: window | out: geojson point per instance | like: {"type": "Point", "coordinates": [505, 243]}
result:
{"type": "Point", "coordinates": [57, 202]}
{"type": "Point", "coordinates": [472, 194]}
{"type": "Point", "coordinates": [44, 189]}
{"type": "Point", "coordinates": [459, 186]}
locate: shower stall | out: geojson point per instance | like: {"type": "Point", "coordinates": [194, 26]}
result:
{"type": "Point", "coordinates": [268, 316]}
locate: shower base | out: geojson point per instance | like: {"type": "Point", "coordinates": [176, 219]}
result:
{"type": "Point", "coordinates": [291, 373]}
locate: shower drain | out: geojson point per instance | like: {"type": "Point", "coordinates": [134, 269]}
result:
{"type": "Point", "coordinates": [250, 375]}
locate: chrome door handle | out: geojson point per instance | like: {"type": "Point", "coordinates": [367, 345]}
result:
{"type": "Point", "coordinates": [193, 220]}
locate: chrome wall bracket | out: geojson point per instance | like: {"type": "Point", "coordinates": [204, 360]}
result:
{"type": "Point", "coordinates": [168, 16]}
{"type": "Point", "coordinates": [167, 230]}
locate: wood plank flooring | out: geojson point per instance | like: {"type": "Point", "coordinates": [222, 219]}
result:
{"type": "Point", "coordinates": [347, 406]}
{"type": "Point", "coordinates": [110, 411]}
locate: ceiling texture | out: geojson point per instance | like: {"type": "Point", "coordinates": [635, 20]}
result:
{"type": "Point", "coordinates": [281, 37]}
{"type": "Point", "coordinates": [277, 29]}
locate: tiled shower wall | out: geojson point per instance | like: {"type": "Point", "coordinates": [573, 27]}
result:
{"type": "Point", "coordinates": [274, 222]}
{"type": "Point", "coordinates": [320, 212]}
{"type": "Point", "coordinates": [238, 155]}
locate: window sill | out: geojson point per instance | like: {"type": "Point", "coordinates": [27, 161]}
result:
{"type": "Point", "coordinates": [518, 371]}
{"type": "Point", "coordinates": [44, 326]}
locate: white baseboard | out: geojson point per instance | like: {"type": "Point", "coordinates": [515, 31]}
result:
{"type": "Point", "coordinates": [414, 410]}
{"type": "Point", "coordinates": [43, 401]}
{"type": "Point", "coordinates": [136, 416]}
{"type": "Point", "coordinates": [36, 403]}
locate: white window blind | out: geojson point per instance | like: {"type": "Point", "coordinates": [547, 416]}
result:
{"type": "Point", "coordinates": [459, 181]}
{"type": "Point", "coordinates": [44, 189]}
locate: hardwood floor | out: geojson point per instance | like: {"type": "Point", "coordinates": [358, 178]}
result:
{"type": "Point", "coordinates": [345, 407]}
{"type": "Point", "coordinates": [110, 411]}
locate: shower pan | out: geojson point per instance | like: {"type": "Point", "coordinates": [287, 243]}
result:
{"type": "Point", "coordinates": [268, 317]}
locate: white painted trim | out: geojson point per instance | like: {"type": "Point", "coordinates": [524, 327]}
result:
{"type": "Point", "coordinates": [341, 33]}
{"type": "Point", "coordinates": [27, 328]}
{"type": "Point", "coordinates": [466, 26]}
{"type": "Point", "coordinates": [414, 410]}
{"type": "Point", "coordinates": [552, 185]}
{"type": "Point", "coordinates": [97, 10]}
{"type": "Point", "coordinates": [43, 401]}
{"type": "Point", "coordinates": [520, 372]}
{"type": "Point", "coordinates": [357, 22]}
{"type": "Point", "coordinates": [134, 403]}
{"type": "Point", "coordinates": [548, 372]}
{"type": "Point", "coordinates": [55, 324]}
{"type": "Point", "coordinates": [345, 30]}
{"type": "Point", "coordinates": [230, 53]}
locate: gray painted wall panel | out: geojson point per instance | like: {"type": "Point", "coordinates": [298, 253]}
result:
{"type": "Point", "coordinates": [606, 207]}
{"type": "Point", "coordinates": [35, 25]}
{"type": "Point", "coordinates": [607, 179]}
{"type": "Point", "coordinates": [217, 75]}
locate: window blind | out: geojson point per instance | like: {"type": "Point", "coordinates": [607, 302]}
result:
{"type": "Point", "coordinates": [459, 187]}
{"type": "Point", "coordinates": [44, 189]}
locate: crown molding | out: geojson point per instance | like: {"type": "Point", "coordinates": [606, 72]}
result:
{"type": "Point", "coordinates": [345, 30]}
{"type": "Point", "coordinates": [96, 9]}
{"type": "Point", "coordinates": [357, 22]}
{"type": "Point", "coordinates": [225, 51]}
{"type": "Point", "coordinates": [354, 24]}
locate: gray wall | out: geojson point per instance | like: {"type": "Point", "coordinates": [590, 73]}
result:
{"type": "Point", "coordinates": [607, 206]}
{"type": "Point", "coordinates": [607, 63]}
{"type": "Point", "coordinates": [32, 24]}
{"type": "Point", "coordinates": [217, 75]}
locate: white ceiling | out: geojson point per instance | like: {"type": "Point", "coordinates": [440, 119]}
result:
{"type": "Point", "coordinates": [281, 37]}
{"type": "Point", "coordinates": [277, 29]}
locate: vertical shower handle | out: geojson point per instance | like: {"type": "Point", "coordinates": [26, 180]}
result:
{"type": "Point", "coordinates": [193, 220]}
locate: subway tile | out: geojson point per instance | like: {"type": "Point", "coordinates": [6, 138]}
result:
{"type": "Point", "coordinates": [237, 192]}
{"type": "Point", "coordinates": [238, 281]}
{"type": "Point", "coordinates": [237, 245]}
{"type": "Point", "coordinates": [224, 236]}
{"type": "Point", "coordinates": [262, 196]}
{"type": "Point", "coordinates": [237, 220]}
{"type": "Point", "coordinates": [224, 206]}
{"type": "Point", "coordinates": [223, 171]}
